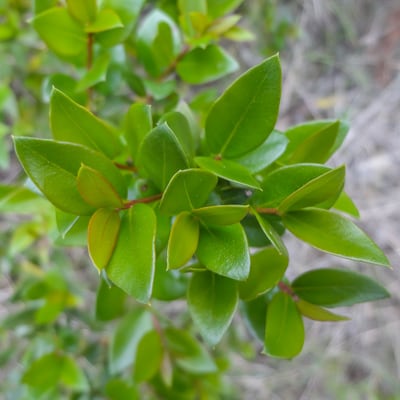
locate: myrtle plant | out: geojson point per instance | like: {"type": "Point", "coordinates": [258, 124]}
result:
{"type": "Point", "coordinates": [181, 196]}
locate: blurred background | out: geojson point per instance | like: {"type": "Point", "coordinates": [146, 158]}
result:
{"type": "Point", "coordinates": [341, 59]}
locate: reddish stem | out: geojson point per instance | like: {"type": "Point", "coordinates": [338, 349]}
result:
{"type": "Point", "coordinates": [271, 211]}
{"type": "Point", "coordinates": [171, 68]}
{"type": "Point", "coordinates": [288, 290]}
{"type": "Point", "coordinates": [149, 199]}
{"type": "Point", "coordinates": [126, 167]}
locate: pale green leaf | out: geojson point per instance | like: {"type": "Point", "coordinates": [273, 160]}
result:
{"type": "Point", "coordinates": [317, 313]}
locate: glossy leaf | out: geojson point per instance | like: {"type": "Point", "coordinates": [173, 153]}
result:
{"type": "Point", "coordinates": [183, 240]}
{"type": "Point", "coordinates": [221, 215]}
{"type": "Point", "coordinates": [70, 122]}
{"type": "Point", "coordinates": [53, 167]}
{"type": "Point", "coordinates": [106, 20]}
{"type": "Point", "coordinates": [244, 116]}
{"type": "Point", "coordinates": [323, 191]}
{"type": "Point", "coordinates": [127, 335]}
{"type": "Point", "coordinates": [224, 250]}
{"type": "Point", "coordinates": [84, 11]}
{"type": "Point", "coordinates": [61, 32]}
{"type": "Point", "coordinates": [317, 313]}
{"type": "Point", "coordinates": [161, 155]}
{"type": "Point", "coordinates": [334, 234]}
{"type": "Point", "coordinates": [212, 301]}
{"type": "Point", "coordinates": [188, 353]}
{"type": "Point", "coordinates": [96, 190]}
{"type": "Point", "coordinates": [133, 262]}
{"type": "Point", "coordinates": [188, 189]}
{"type": "Point", "coordinates": [264, 155]}
{"type": "Point", "coordinates": [148, 357]}
{"type": "Point", "coordinates": [205, 65]}
{"type": "Point", "coordinates": [284, 333]}
{"type": "Point", "coordinates": [266, 269]}
{"type": "Point", "coordinates": [334, 287]}
{"type": "Point", "coordinates": [228, 170]}
{"type": "Point", "coordinates": [110, 302]}
{"type": "Point", "coordinates": [138, 123]}
{"type": "Point", "coordinates": [103, 232]}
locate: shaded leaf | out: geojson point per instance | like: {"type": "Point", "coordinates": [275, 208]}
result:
{"type": "Point", "coordinates": [110, 302]}
{"type": "Point", "coordinates": [255, 313]}
{"type": "Point", "coordinates": [221, 215]}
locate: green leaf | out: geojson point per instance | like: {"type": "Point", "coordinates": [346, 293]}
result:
{"type": "Point", "coordinates": [62, 34]}
{"type": "Point", "coordinates": [138, 123]}
{"type": "Point", "coordinates": [317, 313]}
{"type": "Point", "coordinates": [53, 167]}
{"type": "Point", "coordinates": [70, 122]}
{"type": "Point", "coordinates": [133, 262]}
{"type": "Point", "coordinates": [334, 288]}
{"type": "Point", "coordinates": [20, 200]}
{"type": "Point", "coordinates": [95, 75]}
{"type": "Point", "coordinates": [188, 352]}
{"type": "Point", "coordinates": [110, 302]}
{"type": "Point", "coordinates": [72, 229]}
{"type": "Point", "coordinates": [119, 389]}
{"type": "Point", "coordinates": [266, 269]}
{"type": "Point", "coordinates": [224, 250]}
{"type": "Point", "coordinates": [264, 155]}
{"type": "Point", "coordinates": [272, 235]}
{"type": "Point", "coordinates": [284, 333]}
{"type": "Point", "coordinates": [255, 313]}
{"type": "Point", "coordinates": [106, 20]}
{"type": "Point", "coordinates": [103, 232]}
{"type": "Point", "coordinates": [334, 234]}
{"type": "Point", "coordinates": [187, 190]}
{"type": "Point", "coordinates": [212, 301]}
{"type": "Point", "coordinates": [221, 215]}
{"type": "Point", "coordinates": [205, 65]}
{"type": "Point", "coordinates": [83, 11]}
{"type": "Point", "coordinates": [217, 8]}
{"type": "Point", "coordinates": [148, 357]}
{"type": "Point", "coordinates": [244, 116]}
{"type": "Point", "coordinates": [282, 182]}
{"type": "Point", "coordinates": [73, 376]}
{"type": "Point", "coordinates": [126, 338]}
{"type": "Point", "coordinates": [161, 155]}
{"type": "Point", "coordinates": [229, 170]}
{"type": "Point", "coordinates": [322, 191]}
{"type": "Point", "coordinates": [345, 204]}
{"type": "Point", "coordinates": [96, 190]}
{"type": "Point", "coordinates": [183, 240]}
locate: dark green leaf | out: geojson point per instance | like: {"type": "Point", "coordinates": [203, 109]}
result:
{"type": "Point", "coordinates": [333, 288]}
{"type": "Point", "coordinates": [70, 122]}
{"type": "Point", "coordinates": [244, 116]}
{"type": "Point", "coordinates": [317, 313]}
{"type": "Point", "coordinates": [124, 342]}
{"type": "Point", "coordinates": [161, 155]}
{"type": "Point", "coordinates": [221, 215]}
{"type": "Point", "coordinates": [133, 261]}
{"type": "Point", "coordinates": [266, 270]}
{"type": "Point", "coordinates": [103, 232]}
{"type": "Point", "coordinates": [110, 302]}
{"type": "Point", "coordinates": [229, 170]}
{"type": "Point", "coordinates": [255, 313]}
{"type": "Point", "coordinates": [284, 333]}
{"type": "Point", "coordinates": [187, 190]}
{"type": "Point", "coordinates": [334, 234]}
{"type": "Point", "coordinates": [183, 240]}
{"type": "Point", "coordinates": [212, 301]}
{"type": "Point", "coordinates": [224, 250]}
{"type": "Point", "coordinates": [206, 65]}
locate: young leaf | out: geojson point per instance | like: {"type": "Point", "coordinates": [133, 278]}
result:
{"type": "Point", "coordinates": [229, 170]}
{"type": "Point", "coordinates": [62, 34]}
{"type": "Point", "coordinates": [284, 333]}
{"type": "Point", "coordinates": [133, 262]}
{"type": "Point", "coordinates": [212, 301]}
{"type": "Point", "coordinates": [138, 123]}
{"type": "Point", "coordinates": [127, 335]}
{"type": "Point", "coordinates": [103, 232]}
{"type": "Point", "coordinates": [201, 66]}
{"type": "Point", "coordinates": [322, 191]}
{"type": "Point", "coordinates": [183, 240]}
{"type": "Point", "coordinates": [266, 269]}
{"type": "Point", "coordinates": [317, 313]}
{"type": "Point", "coordinates": [224, 250]}
{"type": "Point", "coordinates": [244, 116]}
{"type": "Point", "coordinates": [106, 20]}
{"type": "Point", "coordinates": [334, 288]}
{"type": "Point", "coordinates": [161, 155]}
{"type": "Point", "coordinates": [186, 190]}
{"type": "Point", "coordinates": [53, 167]}
{"type": "Point", "coordinates": [70, 122]}
{"type": "Point", "coordinates": [221, 215]}
{"type": "Point", "coordinates": [84, 11]}
{"type": "Point", "coordinates": [96, 190]}
{"type": "Point", "coordinates": [264, 155]}
{"type": "Point", "coordinates": [334, 234]}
